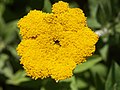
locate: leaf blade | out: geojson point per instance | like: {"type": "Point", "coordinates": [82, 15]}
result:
{"type": "Point", "coordinates": [92, 61]}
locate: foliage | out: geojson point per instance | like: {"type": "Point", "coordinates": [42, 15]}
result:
{"type": "Point", "coordinates": [100, 72]}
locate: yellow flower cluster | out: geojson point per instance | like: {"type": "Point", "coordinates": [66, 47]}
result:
{"type": "Point", "coordinates": [54, 43]}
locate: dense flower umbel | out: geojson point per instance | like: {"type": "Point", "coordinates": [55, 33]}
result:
{"type": "Point", "coordinates": [54, 43]}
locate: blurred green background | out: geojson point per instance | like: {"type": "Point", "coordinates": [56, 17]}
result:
{"type": "Point", "coordinates": [100, 72]}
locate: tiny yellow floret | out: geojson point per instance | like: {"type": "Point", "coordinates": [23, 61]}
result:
{"type": "Point", "coordinates": [54, 43]}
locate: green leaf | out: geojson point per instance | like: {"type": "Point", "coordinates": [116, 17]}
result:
{"type": "Point", "coordinates": [101, 15]}
{"type": "Point", "coordinates": [99, 72]}
{"type": "Point", "coordinates": [73, 4]}
{"type": "Point", "coordinates": [92, 88]}
{"type": "Point", "coordinates": [66, 80]}
{"type": "Point", "coordinates": [2, 25]}
{"type": "Point", "coordinates": [113, 79]}
{"type": "Point", "coordinates": [12, 50]}
{"type": "Point", "coordinates": [104, 12]}
{"type": "Point", "coordinates": [3, 58]}
{"type": "Point", "coordinates": [47, 6]}
{"type": "Point", "coordinates": [88, 64]}
{"type": "Point", "coordinates": [93, 4]}
{"type": "Point", "coordinates": [115, 6]}
{"type": "Point", "coordinates": [117, 28]}
{"type": "Point", "coordinates": [10, 32]}
{"type": "Point", "coordinates": [5, 67]}
{"type": "Point", "coordinates": [2, 45]}
{"type": "Point", "coordinates": [2, 9]}
{"type": "Point", "coordinates": [92, 22]}
{"type": "Point", "coordinates": [18, 78]}
{"type": "Point", "coordinates": [99, 69]}
{"type": "Point", "coordinates": [73, 85]}
{"type": "Point", "coordinates": [81, 83]}
{"type": "Point", "coordinates": [104, 52]}
{"type": "Point", "coordinates": [7, 71]}
{"type": "Point", "coordinates": [99, 82]}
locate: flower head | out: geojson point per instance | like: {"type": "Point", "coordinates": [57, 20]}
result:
{"type": "Point", "coordinates": [54, 43]}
